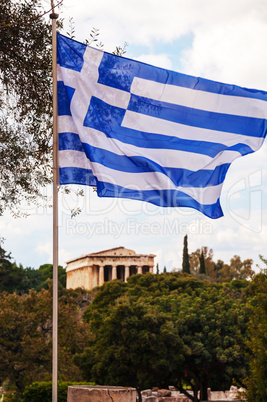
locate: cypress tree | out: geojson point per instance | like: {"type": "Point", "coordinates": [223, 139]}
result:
{"type": "Point", "coordinates": [186, 263]}
{"type": "Point", "coordinates": [202, 268]}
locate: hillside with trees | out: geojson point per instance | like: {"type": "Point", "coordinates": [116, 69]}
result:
{"type": "Point", "coordinates": [26, 338]}
{"type": "Point", "coordinates": [167, 329]}
{"type": "Point", "coordinates": [200, 263]}
{"type": "Point", "coordinates": [155, 330]}
{"type": "Point", "coordinates": [21, 280]}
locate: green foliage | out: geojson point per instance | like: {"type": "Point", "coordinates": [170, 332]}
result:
{"type": "Point", "coordinates": [25, 102]}
{"type": "Point", "coordinates": [237, 270]}
{"type": "Point", "coordinates": [213, 326]}
{"type": "Point", "coordinates": [186, 263]}
{"type": "Point", "coordinates": [257, 381]}
{"type": "Point", "coordinates": [202, 268]}
{"type": "Point", "coordinates": [195, 258]}
{"type": "Point", "coordinates": [133, 346]}
{"type": "Point", "coordinates": [15, 278]}
{"type": "Point", "coordinates": [219, 271]}
{"type": "Point", "coordinates": [152, 330]}
{"type": "Point", "coordinates": [162, 329]}
{"type": "Point", "coordinates": [104, 298]}
{"type": "Point", "coordinates": [26, 336]}
{"type": "Point", "coordinates": [46, 275]}
{"type": "Point", "coordinates": [42, 391]}
{"type": "Point", "coordinates": [11, 277]}
{"type": "Point", "coordinates": [238, 284]}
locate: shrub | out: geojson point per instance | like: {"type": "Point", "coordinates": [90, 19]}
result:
{"type": "Point", "coordinates": [42, 391]}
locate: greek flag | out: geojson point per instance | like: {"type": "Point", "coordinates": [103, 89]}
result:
{"type": "Point", "coordinates": [136, 131]}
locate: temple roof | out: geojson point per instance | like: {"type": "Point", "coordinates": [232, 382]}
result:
{"type": "Point", "coordinates": [115, 251]}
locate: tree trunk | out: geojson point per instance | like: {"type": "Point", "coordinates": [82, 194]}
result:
{"type": "Point", "coordinates": [195, 390]}
{"type": "Point", "coordinates": [204, 390]}
{"type": "Point", "coordinates": [139, 394]}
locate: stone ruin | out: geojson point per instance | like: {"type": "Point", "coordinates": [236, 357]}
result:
{"type": "Point", "coordinates": [95, 269]}
{"type": "Point", "coordinates": [173, 395]}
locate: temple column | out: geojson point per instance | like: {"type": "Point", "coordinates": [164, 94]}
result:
{"type": "Point", "coordinates": [139, 270]}
{"type": "Point", "coordinates": [101, 275]}
{"type": "Point", "coordinates": [151, 269]}
{"type": "Point", "coordinates": [89, 278]}
{"type": "Point", "coordinates": [114, 272]}
{"type": "Point", "coordinates": [127, 272]}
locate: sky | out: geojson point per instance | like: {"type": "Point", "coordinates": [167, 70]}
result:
{"type": "Point", "coordinates": [221, 40]}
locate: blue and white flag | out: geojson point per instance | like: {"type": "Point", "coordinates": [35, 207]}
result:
{"type": "Point", "coordinates": [136, 131]}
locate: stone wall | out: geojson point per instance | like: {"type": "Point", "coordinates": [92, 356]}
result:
{"type": "Point", "coordinates": [173, 395]}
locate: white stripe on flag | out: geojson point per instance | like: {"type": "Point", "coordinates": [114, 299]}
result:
{"type": "Point", "coordinates": [73, 159]}
{"type": "Point", "coordinates": [197, 99]}
{"type": "Point", "coordinates": [150, 124]}
{"type": "Point", "coordinates": [169, 158]}
{"type": "Point", "coordinates": [66, 125]}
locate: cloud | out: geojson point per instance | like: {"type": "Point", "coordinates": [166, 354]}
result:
{"type": "Point", "coordinates": [8, 228]}
{"type": "Point", "coordinates": [159, 60]}
{"type": "Point", "coordinates": [230, 52]}
{"type": "Point", "coordinates": [64, 256]}
{"type": "Point", "coordinates": [47, 250]}
{"type": "Point", "coordinates": [228, 36]}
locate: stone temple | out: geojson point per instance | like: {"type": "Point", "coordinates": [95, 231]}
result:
{"type": "Point", "coordinates": [95, 269]}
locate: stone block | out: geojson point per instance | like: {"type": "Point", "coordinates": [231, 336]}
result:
{"type": "Point", "coordinates": [84, 393]}
{"type": "Point", "coordinates": [172, 388]}
{"type": "Point", "coordinates": [176, 393]}
{"type": "Point", "coordinates": [146, 392]}
{"type": "Point", "coordinates": [233, 392]}
{"type": "Point", "coordinates": [164, 392]}
{"type": "Point", "coordinates": [217, 395]}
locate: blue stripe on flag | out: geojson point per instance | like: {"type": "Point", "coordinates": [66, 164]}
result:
{"type": "Point", "coordinates": [69, 141]}
{"type": "Point", "coordinates": [65, 95]}
{"type": "Point", "coordinates": [119, 72]}
{"type": "Point", "coordinates": [74, 175]}
{"type": "Point", "coordinates": [161, 198]}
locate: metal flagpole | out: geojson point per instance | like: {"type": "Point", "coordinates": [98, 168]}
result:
{"type": "Point", "coordinates": [54, 17]}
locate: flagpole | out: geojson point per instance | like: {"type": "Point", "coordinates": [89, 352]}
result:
{"type": "Point", "coordinates": [54, 17]}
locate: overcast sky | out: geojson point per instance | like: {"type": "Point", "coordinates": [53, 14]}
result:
{"type": "Point", "coordinates": [221, 40]}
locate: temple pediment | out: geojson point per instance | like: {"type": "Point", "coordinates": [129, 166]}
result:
{"type": "Point", "coordinates": [115, 251]}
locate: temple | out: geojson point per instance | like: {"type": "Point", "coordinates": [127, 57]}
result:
{"type": "Point", "coordinates": [95, 269]}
